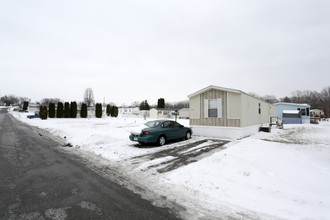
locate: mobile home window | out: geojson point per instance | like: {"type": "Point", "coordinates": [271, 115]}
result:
{"type": "Point", "coordinates": [259, 110]}
{"type": "Point", "coordinates": [213, 108]}
{"type": "Point", "coordinates": [285, 115]}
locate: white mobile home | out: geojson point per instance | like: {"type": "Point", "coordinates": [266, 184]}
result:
{"type": "Point", "coordinates": [184, 113]}
{"type": "Point", "coordinates": [160, 113]}
{"type": "Point", "coordinates": [316, 114]}
{"type": "Point", "coordinates": [227, 113]}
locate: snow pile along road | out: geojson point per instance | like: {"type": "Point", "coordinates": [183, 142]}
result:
{"type": "Point", "coordinates": [282, 174]}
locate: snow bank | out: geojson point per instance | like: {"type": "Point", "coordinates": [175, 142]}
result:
{"type": "Point", "coordinates": [286, 181]}
{"type": "Point", "coordinates": [283, 174]}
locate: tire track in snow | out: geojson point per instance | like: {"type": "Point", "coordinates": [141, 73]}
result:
{"type": "Point", "coordinates": [173, 158]}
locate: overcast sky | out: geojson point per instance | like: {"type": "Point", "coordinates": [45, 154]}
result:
{"type": "Point", "coordinates": [135, 50]}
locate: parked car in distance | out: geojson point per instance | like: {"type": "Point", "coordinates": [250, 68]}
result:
{"type": "Point", "coordinates": [161, 131]}
{"type": "Point", "coordinates": [36, 115]}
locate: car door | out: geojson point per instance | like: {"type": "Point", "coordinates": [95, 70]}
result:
{"type": "Point", "coordinates": [166, 129]}
{"type": "Point", "coordinates": [179, 130]}
{"type": "Point", "coordinates": [174, 130]}
{"type": "Point", "coordinates": [169, 130]}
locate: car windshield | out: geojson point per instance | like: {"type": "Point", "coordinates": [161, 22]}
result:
{"type": "Point", "coordinates": [152, 124]}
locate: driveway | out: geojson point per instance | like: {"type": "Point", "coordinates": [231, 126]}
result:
{"type": "Point", "coordinates": [181, 155]}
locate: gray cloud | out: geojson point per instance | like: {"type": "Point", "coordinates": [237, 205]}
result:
{"type": "Point", "coordinates": [135, 50]}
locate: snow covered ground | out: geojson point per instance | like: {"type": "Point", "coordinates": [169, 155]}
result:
{"type": "Point", "coordinates": [284, 174]}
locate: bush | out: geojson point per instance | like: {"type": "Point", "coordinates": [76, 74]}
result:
{"type": "Point", "coordinates": [83, 111]}
{"type": "Point", "coordinates": [51, 110]}
{"type": "Point", "coordinates": [144, 105]}
{"type": "Point", "coordinates": [73, 110]}
{"type": "Point", "coordinates": [98, 110]}
{"type": "Point", "coordinates": [108, 110]}
{"type": "Point", "coordinates": [43, 112]}
{"type": "Point", "coordinates": [314, 121]}
{"type": "Point", "coordinates": [161, 103]}
{"type": "Point", "coordinates": [25, 105]}
{"type": "Point", "coordinates": [66, 110]}
{"type": "Point", "coordinates": [59, 112]}
{"type": "Point", "coordinates": [114, 111]}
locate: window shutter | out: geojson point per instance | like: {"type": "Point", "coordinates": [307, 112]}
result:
{"type": "Point", "coordinates": [206, 108]}
{"type": "Point", "coordinates": [219, 108]}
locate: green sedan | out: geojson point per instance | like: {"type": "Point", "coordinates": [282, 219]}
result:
{"type": "Point", "coordinates": [161, 131]}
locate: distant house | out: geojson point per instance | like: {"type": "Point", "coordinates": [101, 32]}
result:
{"type": "Point", "coordinates": [91, 111]}
{"type": "Point", "coordinates": [161, 113]}
{"type": "Point", "coordinates": [227, 113]}
{"type": "Point", "coordinates": [293, 113]}
{"type": "Point", "coordinates": [136, 111]}
{"type": "Point", "coordinates": [33, 107]}
{"type": "Point", "coordinates": [130, 111]}
{"type": "Point", "coordinates": [145, 113]}
{"type": "Point", "coordinates": [125, 110]}
{"type": "Point", "coordinates": [184, 113]}
{"type": "Point", "coordinates": [316, 114]}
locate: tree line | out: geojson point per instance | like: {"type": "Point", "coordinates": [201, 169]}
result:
{"type": "Point", "coordinates": [317, 100]}
{"type": "Point", "coordinates": [12, 100]}
{"type": "Point", "coordinates": [70, 110]}
{"type": "Point", "coordinates": [144, 105]}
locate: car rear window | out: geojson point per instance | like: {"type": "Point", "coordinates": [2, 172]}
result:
{"type": "Point", "coordinates": [152, 124]}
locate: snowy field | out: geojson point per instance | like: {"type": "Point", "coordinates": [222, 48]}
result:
{"type": "Point", "coordinates": [284, 174]}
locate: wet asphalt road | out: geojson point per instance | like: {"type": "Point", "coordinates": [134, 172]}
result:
{"type": "Point", "coordinates": [39, 182]}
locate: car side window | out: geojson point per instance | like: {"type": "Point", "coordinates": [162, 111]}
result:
{"type": "Point", "coordinates": [171, 124]}
{"type": "Point", "coordinates": [166, 124]}
{"type": "Point", "coordinates": [176, 125]}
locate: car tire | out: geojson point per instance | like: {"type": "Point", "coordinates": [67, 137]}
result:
{"type": "Point", "coordinates": [161, 140]}
{"type": "Point", "coordinates": [188, 135]}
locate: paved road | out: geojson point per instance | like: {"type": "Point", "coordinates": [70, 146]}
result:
{"type": "Point", "coordinates": [39, 182]}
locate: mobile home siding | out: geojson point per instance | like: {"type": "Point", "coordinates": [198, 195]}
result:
{"type": "Point", "coordinates": [194, 107]}
{"type": "Point", "coordinates": [216, 121]}
{"type": "Point", "coordinates": [234, 105]}
{"type": "Point", "coordinates": [255, 111]}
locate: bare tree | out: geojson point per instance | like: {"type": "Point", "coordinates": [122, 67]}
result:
{"type": "Point", "coordinates": [23, 99]}
{"type": "Point", "coordinates": [312, 98]}
{"type": "Point", "coordinates": [89, 97]}
{"type": "Point", "coordinates": [254, 95]}
{"type": "Point", "coordinates": [270, 99]}
{"type": "Point", "coordinates": [267, 98]}
{"type": "Point", "coordinates": [325, 101]}
{"type": "Point", "coordinates": [297, 96]}
{"type": "Point", "coordinates": [135, 104]}
{"type": "Point", "coordinates": [177, 105]}
{"type": "Point", "coordinates": [10, 100]}
{"type": "Point", "coordinates": [286, 99]}
{"type": "Point", "coordinates": [47, 101]}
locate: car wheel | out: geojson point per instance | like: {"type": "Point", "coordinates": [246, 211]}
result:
{"type": "Point", "coordinates": [188, 135]}
{"type": "Point", "coordinates": [161, 140]}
